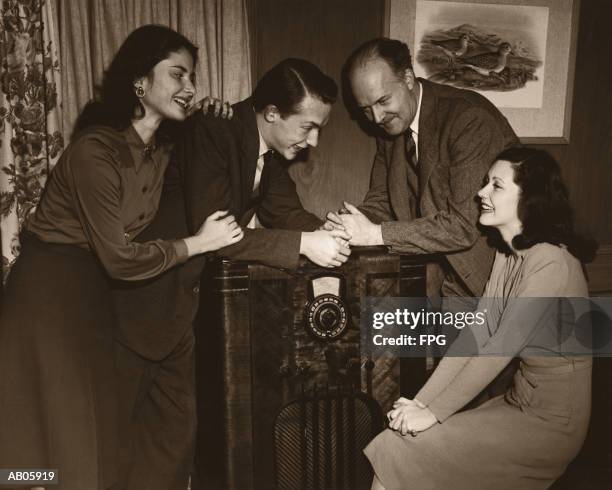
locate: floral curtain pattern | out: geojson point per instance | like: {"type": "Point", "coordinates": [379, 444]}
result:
{"type": "Point", "coordinates": [30, 121]}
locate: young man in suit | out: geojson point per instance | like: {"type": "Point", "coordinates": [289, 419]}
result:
{"type": "Point", "coordinates": [239, 164]}
{"type": "Point", "coordinates": [440, 142]}
{"type": "Point", "coordinates": [236, 165]}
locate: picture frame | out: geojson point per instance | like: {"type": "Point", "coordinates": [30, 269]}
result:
{"type": "Point", "coordinates": [538, 105]}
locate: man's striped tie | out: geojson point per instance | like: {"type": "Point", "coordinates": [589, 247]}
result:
{"type": "Point", "coordinates": [411, 156]}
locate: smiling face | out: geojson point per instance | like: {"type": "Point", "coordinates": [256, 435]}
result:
{"type": "Point", "coordinates": [385, 99]}
{"type": "Point", "coordinates": [290, 134]}
{"type": "Point", "coordinates": [499, 199]}
{"type": "Point", "coordinates": [169, 89]}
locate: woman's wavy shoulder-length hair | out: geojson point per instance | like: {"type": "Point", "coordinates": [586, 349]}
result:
{"type": "Point", "coordinates": [117, 103]}
{"type": "Point", "coordinates": [544, 208]}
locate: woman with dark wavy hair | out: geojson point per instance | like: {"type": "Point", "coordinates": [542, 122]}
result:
{"type": "Point", "coordinates": [526, 438]}
{"type": "Point", "coordinates": [58, 400]}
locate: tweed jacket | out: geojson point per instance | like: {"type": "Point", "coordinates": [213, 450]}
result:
{"type": "Point", "coordinates": [434, 210]}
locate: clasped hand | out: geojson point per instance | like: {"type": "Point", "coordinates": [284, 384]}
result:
{"type": "Point", "coordinates": [327, 248]}
{"type": "Point", "coordinates": [361, 230]}
{"type": "Point", "coordinates": [410, 417]}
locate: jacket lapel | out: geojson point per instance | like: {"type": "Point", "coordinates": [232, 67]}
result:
{"type": "Point", "coordinates": [428, 150]}
{"type": "Point", "coordinates": [403, 202]}
{"type": "Point", "coordinates": [249, 150]}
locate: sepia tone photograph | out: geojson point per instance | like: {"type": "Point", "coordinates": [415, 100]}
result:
{"type": "Point", "coordinates": [336, 244]}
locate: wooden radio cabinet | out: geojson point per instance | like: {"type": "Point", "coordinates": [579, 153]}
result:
{"type": "Point", "coordinates": [256, 352]}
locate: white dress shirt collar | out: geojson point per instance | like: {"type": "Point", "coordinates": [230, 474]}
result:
{"type": "Point", "coordinates": [414, 125]}
{"type": "Point", "coordinates": [263, 147]}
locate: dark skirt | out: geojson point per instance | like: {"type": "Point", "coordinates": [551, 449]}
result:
{"type": "Point", "coordinates": [58, 403]}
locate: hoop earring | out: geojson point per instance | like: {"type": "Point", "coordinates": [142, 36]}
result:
{"type": "Point", "coordinates": [140, 93]}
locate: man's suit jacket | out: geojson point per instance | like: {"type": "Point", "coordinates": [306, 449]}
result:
{"type": "Point", "coordinates": [213, 168]}
{"type": "Point", "coordinates": [460, 134]}
{"type": "Point", "coordinates": [217, 160]}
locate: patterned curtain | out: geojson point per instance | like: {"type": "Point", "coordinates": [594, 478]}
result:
{"type": "Point", "coordinates": [85, 34]}
{"type": "Point", "coordinates": [30, 120]}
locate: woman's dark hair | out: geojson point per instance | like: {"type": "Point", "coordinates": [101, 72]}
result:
{"type": "Point", "coordinates": [544, 208]}
{"type": "Point", "coordinates": [139, 53]}
{"type": "Point", "coordinates": [286, 85]}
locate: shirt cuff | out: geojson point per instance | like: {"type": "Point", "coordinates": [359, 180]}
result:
{"type": "Point", "coordinates": [180, 247]}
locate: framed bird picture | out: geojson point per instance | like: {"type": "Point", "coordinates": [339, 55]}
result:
{"type": "Point", "coordinates": [520, 54]}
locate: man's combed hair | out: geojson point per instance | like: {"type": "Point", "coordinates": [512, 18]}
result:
{"type": "Point", "coordinates": [544, 208]}
{"type": "Point", "coordinates": [394, 52]}
{"type": "Point", "coordinates": [286, 85]}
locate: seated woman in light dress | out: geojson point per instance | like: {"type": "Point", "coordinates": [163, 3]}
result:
{"type": "Point", "coordinates": [526, 438]}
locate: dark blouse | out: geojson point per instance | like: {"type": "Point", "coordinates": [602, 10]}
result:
{"type": "Point", "coordinates": [104, 190]}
